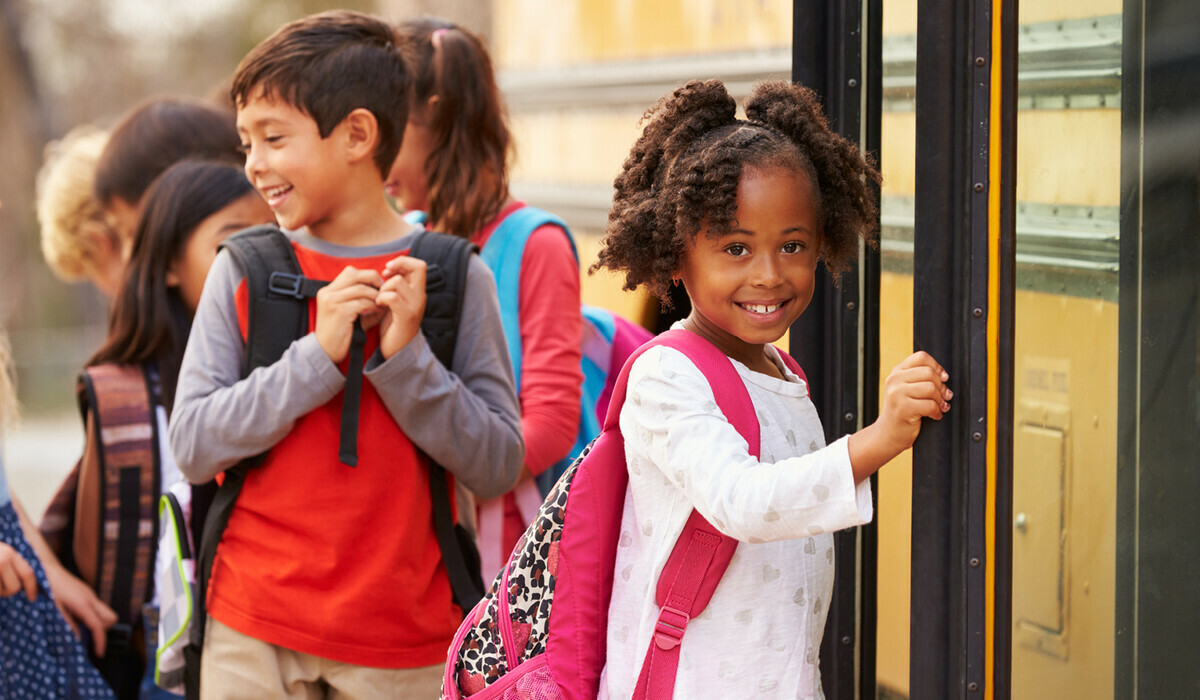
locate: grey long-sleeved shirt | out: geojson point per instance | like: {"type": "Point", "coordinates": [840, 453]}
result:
{"type": "Point", "coordinates": [467, 419]}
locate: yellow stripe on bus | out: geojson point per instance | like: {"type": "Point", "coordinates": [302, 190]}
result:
{"type": "Point", "coordinates": [993, 349]}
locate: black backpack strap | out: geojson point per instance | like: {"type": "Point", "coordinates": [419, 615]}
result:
{"type": "Point", "coordinates": [446, 261]}
{"type": "Point", "coordinates": [277, 314]}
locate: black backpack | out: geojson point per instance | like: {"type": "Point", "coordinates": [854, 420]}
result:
{"type": "Point", "coordinates": [277, 316]}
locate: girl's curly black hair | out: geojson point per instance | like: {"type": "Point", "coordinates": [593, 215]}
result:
{"type": "Point", "coordinates": [684, 171]}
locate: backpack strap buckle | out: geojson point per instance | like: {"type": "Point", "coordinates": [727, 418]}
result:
{"type": "Point", "coordinates": [292, 285]}
{"type": "Point", "coordinates": [669, 629]}
{"type": "Point", "coordinates": [287, 284]}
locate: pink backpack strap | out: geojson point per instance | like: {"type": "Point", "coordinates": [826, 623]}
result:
{"type": "Point", "coordinates": [702, 553]}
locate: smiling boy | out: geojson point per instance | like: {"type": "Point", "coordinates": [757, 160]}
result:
{"type": "Point", "coordinates": [328, 579]}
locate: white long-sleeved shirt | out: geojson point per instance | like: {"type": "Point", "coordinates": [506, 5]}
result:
{"type": "Point", "coordinates": [760, 634]}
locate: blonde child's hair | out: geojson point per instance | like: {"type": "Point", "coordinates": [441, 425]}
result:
{"type": "Point", "coordinates": [67, 210]}
{"type": "Point", "coordinates": [8, 384]}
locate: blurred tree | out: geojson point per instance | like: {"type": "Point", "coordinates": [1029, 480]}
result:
{"type": "Point", "coordinates": [21, 136]}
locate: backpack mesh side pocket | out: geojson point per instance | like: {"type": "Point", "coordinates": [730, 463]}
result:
{"type": "Point", "coordinates": [175, 581]}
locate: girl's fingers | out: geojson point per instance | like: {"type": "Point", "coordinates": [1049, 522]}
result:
{"type": "Point", "coordinates": [929, 408]}
{"type": "Point", "coordinates": [91, 618]}
{"type": "Point", "coordinates": [10, 583]}
{"type": "Point", "coordinates": [28, 579]}
{"type": "Point", "coordinates": [920, 380]}
{"type": "Point", "coordinates": [17, 576]}
{"type": "Point", "coordinates": [924, 359]}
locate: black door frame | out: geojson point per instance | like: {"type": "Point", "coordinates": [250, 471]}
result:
{"type": "Point", "coordinates": [837, 52]}
{"type": "Point", "coordinates": [964, 265]}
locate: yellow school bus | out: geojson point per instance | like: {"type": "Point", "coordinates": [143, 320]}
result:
{"type": "Point", "coordinates": [1040, 235]}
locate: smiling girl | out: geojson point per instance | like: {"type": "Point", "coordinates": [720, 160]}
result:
{"type": "Point", "coordinates": [739, 212]}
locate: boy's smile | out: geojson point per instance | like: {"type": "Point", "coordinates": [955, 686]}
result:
{"type": "Point", "coordinates": [748, 286]}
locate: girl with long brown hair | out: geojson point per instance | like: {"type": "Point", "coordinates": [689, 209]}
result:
{"type": "Point", "coordinates": [453, 165]}
{"type": "Point", "coordinates": [185, 215]}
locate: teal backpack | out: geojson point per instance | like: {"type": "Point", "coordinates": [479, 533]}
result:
{"type": "Point", "coordinates": [608, 339]}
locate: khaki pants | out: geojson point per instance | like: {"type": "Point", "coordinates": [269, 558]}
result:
{"type": "Point", "coordinates": [236, 666]}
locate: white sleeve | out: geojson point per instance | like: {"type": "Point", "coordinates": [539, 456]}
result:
{"type": "Point", "coordinates": [672, 424]}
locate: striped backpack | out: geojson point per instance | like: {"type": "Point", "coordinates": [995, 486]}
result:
{"type": "Point", "coordinates": [540, 632]}
{"type": "Point", "coordinates": [102, 516]}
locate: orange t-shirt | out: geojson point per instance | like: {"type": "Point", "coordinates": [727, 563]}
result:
{"type": "Point", "coordinates": [335, 561]}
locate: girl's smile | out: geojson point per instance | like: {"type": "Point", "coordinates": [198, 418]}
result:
{"type": "Point", "coordinates": [748, 286]}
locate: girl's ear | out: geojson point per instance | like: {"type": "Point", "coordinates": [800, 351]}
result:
{"type": "Point", "coordinates": [423, 113]}
{"type": "Point", "coordinates": [361, 134]}
{"type": "Point", "coordinates": [173, 274]}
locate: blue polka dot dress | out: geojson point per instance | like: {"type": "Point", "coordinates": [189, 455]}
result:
{"type": "Point", "coordinates": [39, 655]}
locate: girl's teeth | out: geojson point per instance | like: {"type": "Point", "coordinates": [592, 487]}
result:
{"type": "Point", "coordinates": [761, 308]}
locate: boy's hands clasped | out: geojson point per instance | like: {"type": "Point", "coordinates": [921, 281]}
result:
{"type": "Point", "coordinates": [915, 389]}
{"type": "Point", "coordinates": [396, 299]}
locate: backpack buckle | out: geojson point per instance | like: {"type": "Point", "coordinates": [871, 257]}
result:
{"type": "Point", "coordinates": [286, 284]}
{"type": "Point", "coordinates": [669, 629]}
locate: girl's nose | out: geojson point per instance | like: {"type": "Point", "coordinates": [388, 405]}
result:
{"type": "Point", "coordinates": [766, 271]}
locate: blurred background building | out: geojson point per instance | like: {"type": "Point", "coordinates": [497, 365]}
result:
{"type": "Point", "coordinates": [577, 77]}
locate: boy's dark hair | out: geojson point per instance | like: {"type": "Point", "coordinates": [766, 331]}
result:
{"type": "Point", "coordinates": [149, 323]}
{"type": "Point", "coordinates": [327, 65]}
{"type": "Point", "coordinates": [467, 124]}
{"type": "Point", "coordinates": [683, 172]}
{"type": "Point", "coordinates": [155, 135]}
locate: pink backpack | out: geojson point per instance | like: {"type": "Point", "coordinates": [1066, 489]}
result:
{"type": "Point", "coordinates": [544, 638]}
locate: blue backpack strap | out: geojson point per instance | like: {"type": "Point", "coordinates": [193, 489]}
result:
{"type": "Point", "coordinates": [503, 253]}
{"type": "Point", "coordinates": [599, 329]}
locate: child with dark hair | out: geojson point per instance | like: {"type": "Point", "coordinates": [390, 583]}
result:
{"type": "Point", "coordinates": [453, 165]}
{"type": "Point", "coordinates": [150, 138]}
{"type": "Point", "coordinates": [329, 580]}
{"type": "Point", "coordinates": [739, 212]}
{"type": "Point", "coordinates": [188, 211]}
